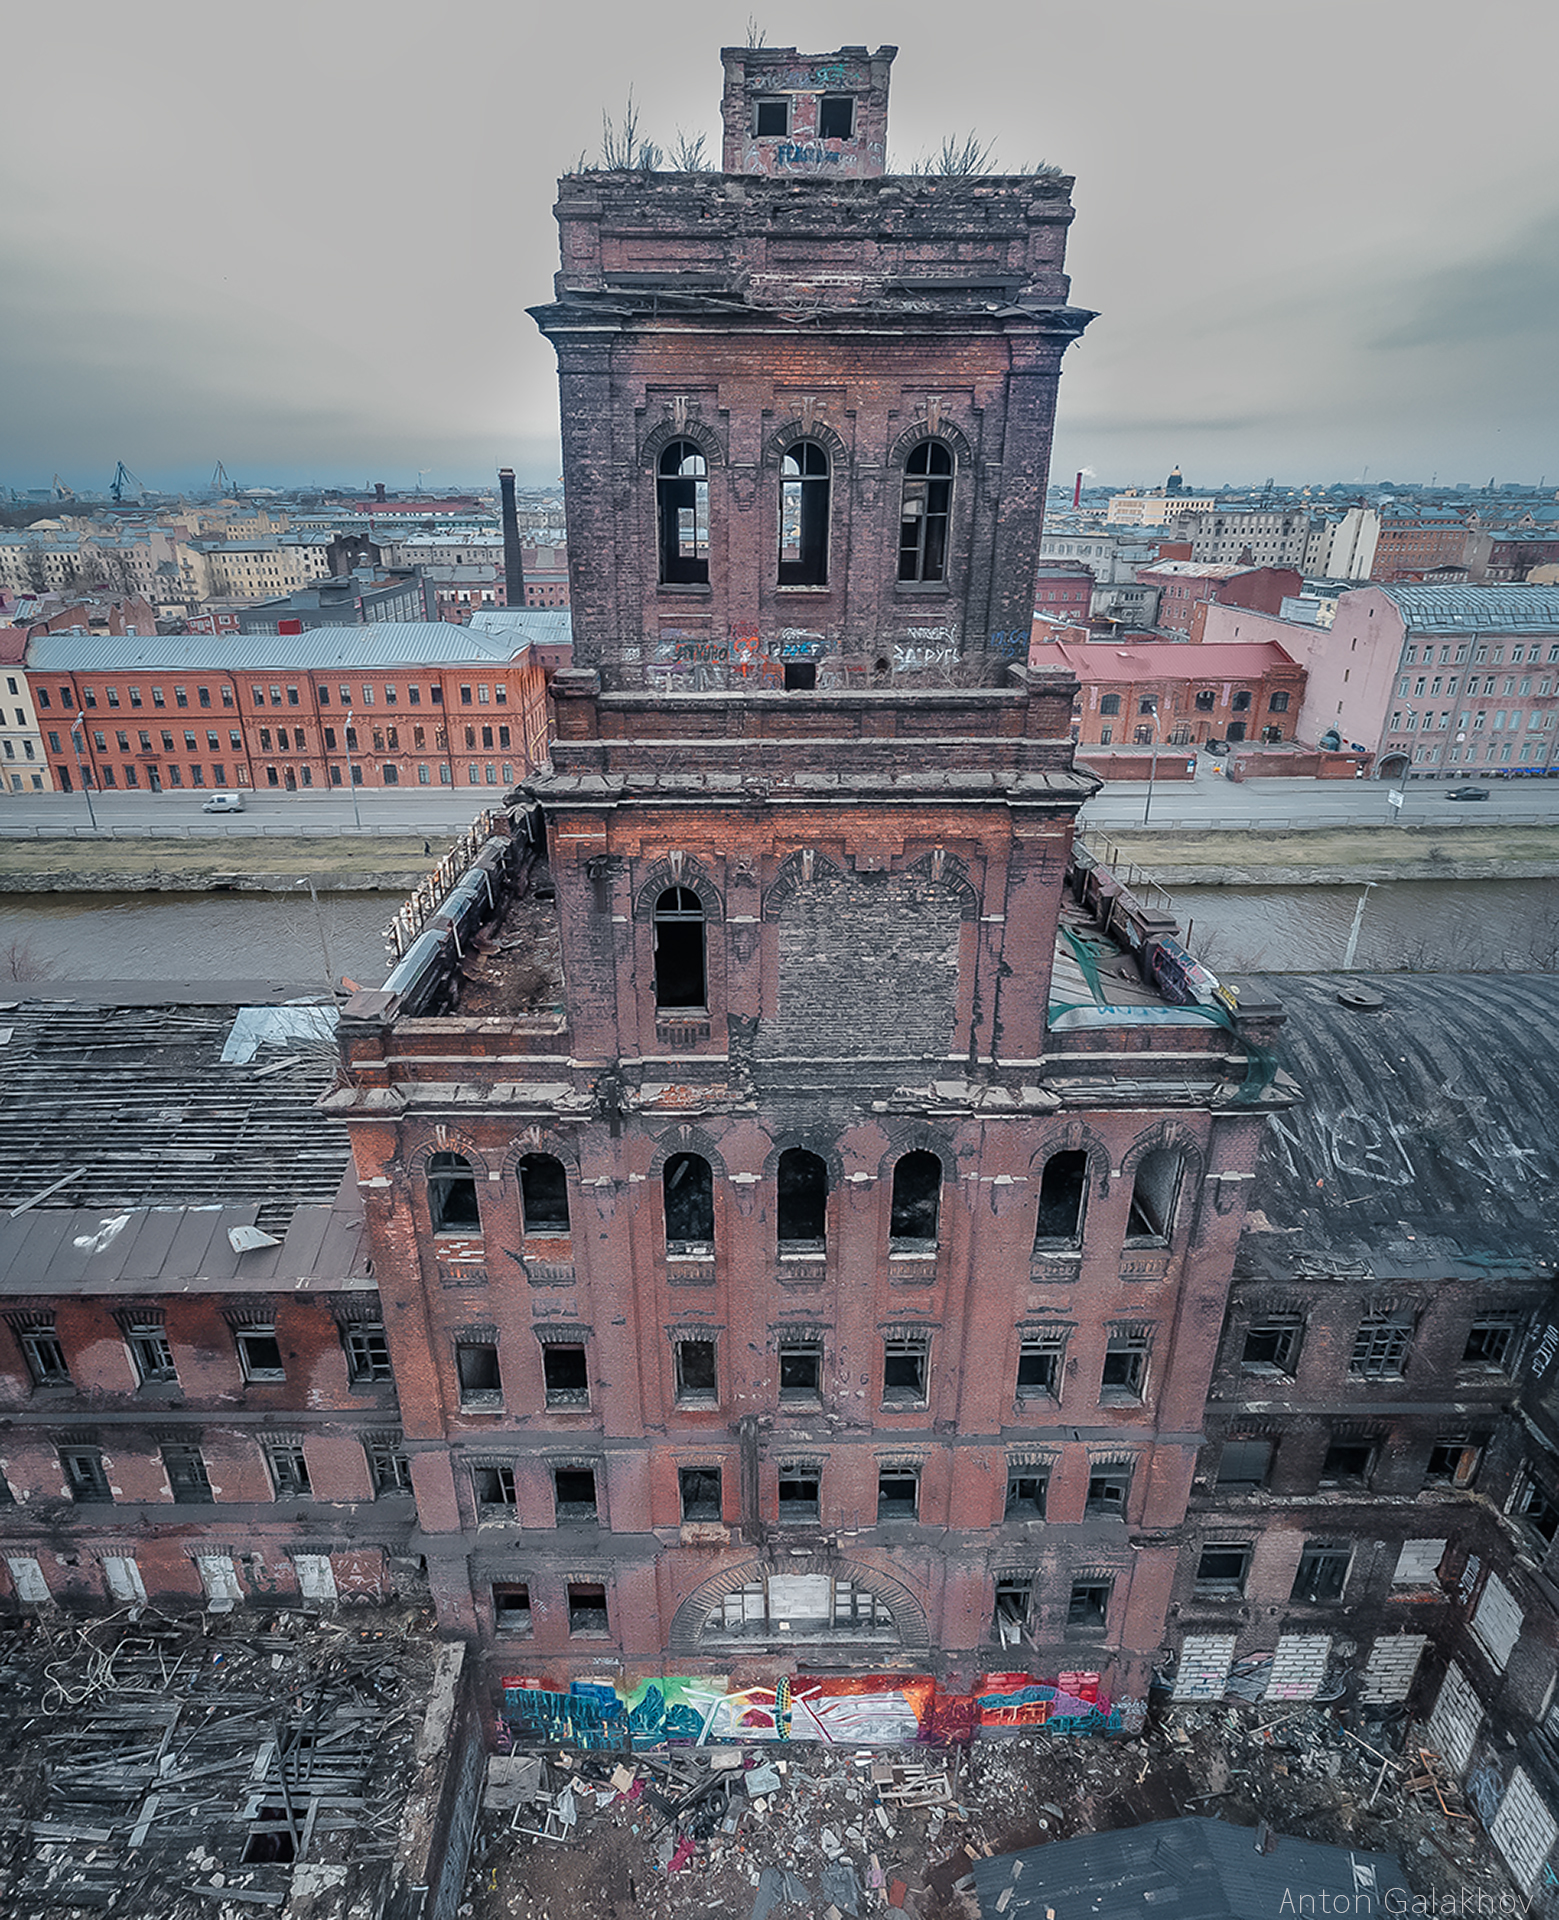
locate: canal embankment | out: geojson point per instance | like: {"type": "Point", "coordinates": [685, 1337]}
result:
{"type": "Point", "coordinates": [1330, 856]}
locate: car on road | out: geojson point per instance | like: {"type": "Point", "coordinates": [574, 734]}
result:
{"type": "Point", "coordinates": [1468, 793]}
{"type": "Point", "coordinates": [224, 803]}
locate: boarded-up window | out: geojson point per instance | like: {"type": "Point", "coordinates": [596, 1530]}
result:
{"type": "Point", "coordinates": [1496, 1626]}
{"type": "Point", "coordinates": [27, 1578]}
{"type": "Point", "coordinates": [122, 1577]}
{"type": "Point", "coordinates": [1418, 1562]}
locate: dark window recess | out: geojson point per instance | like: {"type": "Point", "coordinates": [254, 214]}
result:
{"type": "Point", "coordinates": [574, 1491]}
{"type": "Point", "coordinates": [803, 531]}
{"type": "Point", "coordinates": [1536, 1510]}
{"type": "Point", "coordinates": [1240, 703]}
{"type": "Point", "coordinates": [799, 1492]}
{"type": "Point", "coordinates": [511, 1607]}
{"type": "Point", "coordinates": [696, 1374]}
{"type": "Point", "coordinates": [924, 512]}
{"type": "Point", "coordinates": [800, 676]}
{"type": "Point", "coordinates": [188, 1480]}
{"type": "Point", "coordinates": [476, 1366]}
{"type": "Point", "coordinates": [1236, 730]}
{"type": "Point", "coordinates": [1107, 1493]}
{"type": "Point", "coordinates": [1323, 1573]}
{"type": "Point", "coordinates": [1148, 704]}
{"type": "Point", "coordinates": [587, 1607]}
{"type": "Point", "coordinates": [1088, 1606]}
{"type": "Point", "coordinates": [389, 1468]}
{"type": "Point", "coordinates": [1110, 703]}
{"type": "Point", "coordinates": [259, 1354]}
{"type": "Point", "coordinates": [1490, 1345]}
{"type": "Point", "coordinates": [1010, 1614]}
{"type": "Point", "coordinates": [1272, 1346]}
{"type": "Point", "coordinates": [904, 1368]}
{"type": "Point", "coordinates": [682, 510]}
{"type": "Point", "coordinates": [1454, 1462]}
{"type": "Point", "coordinates": [917, 1197]}
{"type": "Point", "coordinates": [150, 1351]}
{"type": "Point", "coordinates": [802, 1195]}
{"type": "Point", "coordinates": [1039, 1366]}
{"type": "Point", "coordinates": [367, 1353]}
{"type": "Point", "coordinates": [1347, 1463]}
{"type": "Point", "coordinates": [700, 1491]}
{"type": "Point", "coordinates": [1244, 1465]}
{"type": "Point", "coordinates": [771, 119]}
{"type": "Point", "coordinates": [688, 1186]}
{"type": "Point", "coordinates": [1062, 1187]}
{"type": "Point", "coordinates": [543, 1194]}
{"type": "Point", "coordinates": [452, 1194]}
{"type": "Point", "coordinates": [1278, 703]}
{"type": "Point", "coordinates": [836, 116]}
{"type": "Point", "coordinates": [1205, 701]}
{"type": "Point", "coordinates": [86, 1476]}
{"type": "Point", "coordinates": [45, 1359]}
{"type": "Point", "coordinates": [289, 1471]}
{"type": "Point", "coordinates": [567, 1380]}
{"type": "Point", "coordinates": [1223, 1569]}
{"type": "Point", "coordinates": [1125, 1367]}
{"type": "Point", "coordinates": [679, 949]}
{"type": "Point", "coordinates": [1026, 1495]}
{"type": "Point", "coordinates": [494, 1489]}
{"type": "Point", "coordinates": [1380, 1347]}
{"type": "Point", "coordinates": [800, 1369]}
{"type": "Point", "coordinates": [898, 1494]}
{"type": "Point", "coordinates": [1153, 1197]}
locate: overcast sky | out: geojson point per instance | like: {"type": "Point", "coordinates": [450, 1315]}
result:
{"type": "Point", "coordinates": [1322, 235]}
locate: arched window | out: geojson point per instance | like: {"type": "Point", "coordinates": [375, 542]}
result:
{"type": "Point", "coordinates": [682, 514]}
{"type": "Point", "coordinates": [1153, 1197]}
{"type": "Point", "coordinates": [452, 1194]}
{"type": "Point", "coordinates": [917, 1196]}
{"type": "Point", "coordinates": [803, 1198]}
{"type": "Point", "coordinates": [923, 515]}
{"type": "Point", "coordinates": [679, 949]}
{"type": "Point", "coordinates": [1062, 1188]}
{"type": "Point", "coordinates": [803, 530]}
{"type": "Point", "coordinates": [689, 1188]}
{"type": "Point", "coordinates": [543, 1194]}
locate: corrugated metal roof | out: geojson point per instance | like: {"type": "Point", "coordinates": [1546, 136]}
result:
{"type": "Point", "coordinates": [543, 626]}
{"type": "Point", "coordinates": [386, 643]}
{"type": "Point", "coordinates": [1476, 609]}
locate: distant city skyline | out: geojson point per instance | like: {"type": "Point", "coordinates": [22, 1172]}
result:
{"type": "Point", "coordinates": [302, 243]}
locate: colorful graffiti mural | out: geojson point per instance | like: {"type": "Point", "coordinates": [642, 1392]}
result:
{"type": "Point", "coordinates": [830, 1709]}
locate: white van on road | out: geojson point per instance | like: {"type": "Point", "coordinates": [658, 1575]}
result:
{"type": "Point", "coordinates": [224, 803]}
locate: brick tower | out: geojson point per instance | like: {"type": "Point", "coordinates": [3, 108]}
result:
{"type": "Point", "coordinates": [802, 1225]}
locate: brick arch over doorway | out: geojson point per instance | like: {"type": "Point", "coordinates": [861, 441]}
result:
{"type": "Point", "coordinates": [909, 1616]}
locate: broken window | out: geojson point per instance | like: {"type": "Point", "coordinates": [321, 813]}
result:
{"type": "Point", "coordinates": [905, 1365]}
{"type": "Point", "coordinates": [45, 1356]}
{"type": "Point", "coordinates": [700, 1491]}
{"type": "Point", "coordinates": [1153, 1198]}
{"type": "Point", "coordinates": [543, 1195]}
{"type": "Point", "coordinates": [771, 119]}
{"type": "Point", "coordinates": [1323, 1572]}
{"type": "Point", "coordinates": [367, 1352]}
{"type": "Point", "coordinates": [564, 1371]}
{"type": "Point", "coordinates": [1108, 1489]}
{"type": "Point", "coordinates": [511, 1607]}
{"type": "Point", "coordinates": [1010, 1614]}
{"type": "Point", "coordinates": [1490, 1345]}
{"type": "Point", "coordinates": [188, 1480]}
{"type": "Point", "coordinates": [476, 1368]}
{"type": "Point", "coordinates": [259, 1353]}
{"type": "Point", "coordinates": [573, 1490]}
{"type": "Point", "coordinates": [802, 1195]}
{"type": "Point", "coordinates": [1125, 1364]}
{"type": "Point", "coordinates": [1454, 1462]}
{"type": "Point", "coordinates": [1380, 1347]}
{"type": "Point", "coordinates": [836, 116]}
{"type": "Point", "coordinates": [898, 1493]}
{"type": "Point", "coordinates": [388, 1466]}
{"type": "Point", "coordinates": [1222, 1569]}
{"type": "Point", "coordinates": [452, 1194]}
{"type": "Point", "coordinates": [917, 1196]}
{"type": "Point", "coordinates": [289, 1471]}
{"type": "Point", "coordinates": [1418, 1563]}
{"type": "Point", "coordinates": [493, 1486]}
{"type": "Point", "coordinates": [1243, 1465]}
{"type": "Point", "coordinates": [1062, 1187]}
{"type": "Point", "coordinates": [1026, 1490]}
{"type": "Point", "coordinates": [803, 539]}
{"type": "Point", "coordinates": [679, 949]}
{"type": "Point", "coordinates": [149, 1350]}
{"type": "Point", "coordinates": [697, 1379]}
{"type": "Point", "coordinates": [688, 1188]}
{"type": "Point", "coordinates": [1272, 1344]}
{"type": "Point", "coordinates": [800, 1492]}
{"type": "Point", "coordinates": [1536, 1510]}
{"type": "Point", "coordinates": [1088, 1605]}
{"type": "Point", "coordinates": [587, 1608]}
{"type": "Point", "coordinates": [682, 508]}
{"type": "Point", "coordinates": [925, 507]}
{"type": "Point", "coordinates": [85, 1475]}
{"type": "Point", "coordinates": [1039, 1364]}
{"type": "Point", "coordinates": [1347, 1463]}
{"type": "Point", "coordinates": [800, 1370]}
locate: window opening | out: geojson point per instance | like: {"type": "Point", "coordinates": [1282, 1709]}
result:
{"type": "Point", "coordinates": [367, 1352]}
{"type": "Point", "coordinates": [1107, 1492]}
{"type": "Point", "coordinates": [1380, 1347]}
{"type": "Point", "coordinates": [564, 1371]}
{"type": "Point", "coordinates": [1153, 1197]}
{"type": "Point", "coordinates": [1026, 1495]}
{"type": "Point", "coordinates": [1243, 1465]}
{"type": "Point", "coordinates": [1454, 1462]}
{"type": "Point", "coordinates": [150, 1351]}
{"type": "Point", "coordinates": [452, 1194]}
{"type": "Point", "coordinates": [511, 1607]}
{"type": "Point", "coordinates": [494, 1489]}
{"type": "Point", "coordinates": [1537, 1511]}
{"type": "Point", "coordinates": [682, 505]}
{"type": "Point", "coordinates": [800, 1369]}
{"type": "Point", "coordinates": [1010, 1614]}
{"type": "Point", "coordinates": [45, 1358]}
{"type": "Point", "coordinates": [476, 1367]}
{"type": "Point", "coordinates": [924, 512]}
{"type": "Point", "coordinates": [1272, 1345]}
{"type": "Point", "coordinates": [904, 1368]}
{"type": "Point", "coordinates": [1347, 1463]}
{"type": "Point", "coordinates": [803, 540]}
{"type": "Point", "coordinates": [1223, 1569]}
{"type": "Point", "coordinates": [917, 1197]}
{"type": "Point", "coordinates": [543, 1194]}
{"type": "Point", "coordinates": [1088, 1605]}
{"type": "Point", "coordinates": [1039, 1366]}
{"type": "Point", "coordinates": [188, 1481]}
{"type": "Point", "coordinates": [1322, 1574]}
{"type": "Point", "coordinates": [696, 1371]}
{"type": "Point", "coordinates": [289, 1471]}
{"type": "Point", "coordinates": [800, 676]}
{"type": "Point", "coordinates": [574, 1492]}
{"type": "Point", "coordinates": [898, 1494]}
{"type": "Point", "coordinates": [389, 1467]}
{"type": "Point", "coordinates": [587, 1608]}
{"type": "Point", "coordinates": [687, 1183]}
{"type": "Point", "coordinates": [1125, 1367]}
{"type": "Point", "coordinates": [86, 1476]}
{"type": "Point", "coordinates": [802, 1183]}
{"type": "Point", "coordinates": [771, 119]}
{"type": "Point", "coordinates": [836, 116]}
{"type": "Point", "coordinates": [1062, 1187]}
{"type": "Point", "coordinates": [1490, 1344]}
{"type": "Point", "coordinates": [700, 1491]}
{"type": "Point", "coordinates": [679, 949]}
{"type": "Point", "coordinates": [800, 1490]}
{"type": "Point", "coordinates": [1110, 703]}
{"type": "Point", "coordinates": [259, 1354]}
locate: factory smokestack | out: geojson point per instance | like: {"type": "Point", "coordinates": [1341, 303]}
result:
{"type": "Point", "coordinates": [513, 566]}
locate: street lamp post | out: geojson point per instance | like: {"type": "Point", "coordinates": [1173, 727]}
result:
{"type": "Point", "coordinates": [81, 771]}
{"type": "Point", "coordinates": [1147, 805]}
{"type": "Point", "coordinates": [351, 773]}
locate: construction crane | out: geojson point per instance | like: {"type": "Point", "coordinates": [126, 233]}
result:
{"type": "Point", "coordinates": [220, 482]}
{"type": "Point", "coordinates": [123, 478]}
{"type": "Point", "coordinates": [61, 491]}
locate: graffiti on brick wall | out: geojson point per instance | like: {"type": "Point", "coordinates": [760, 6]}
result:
{"type": "Point", "coordinates": [829, 1709]}
{"type": "Point", "coordinates": [1010, 644]}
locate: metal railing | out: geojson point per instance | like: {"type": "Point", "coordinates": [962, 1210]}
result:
{"type": "Point", "coordinates": [439, 884]}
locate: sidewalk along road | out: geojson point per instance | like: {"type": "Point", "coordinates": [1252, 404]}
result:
{"type": "Point", "coordinates": [417, 811]}
{"type": "Point", "coordinates": [1212, 802]}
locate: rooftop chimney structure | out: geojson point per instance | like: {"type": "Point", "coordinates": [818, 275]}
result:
{"type": "Point", "coordinates": [513, 562]}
